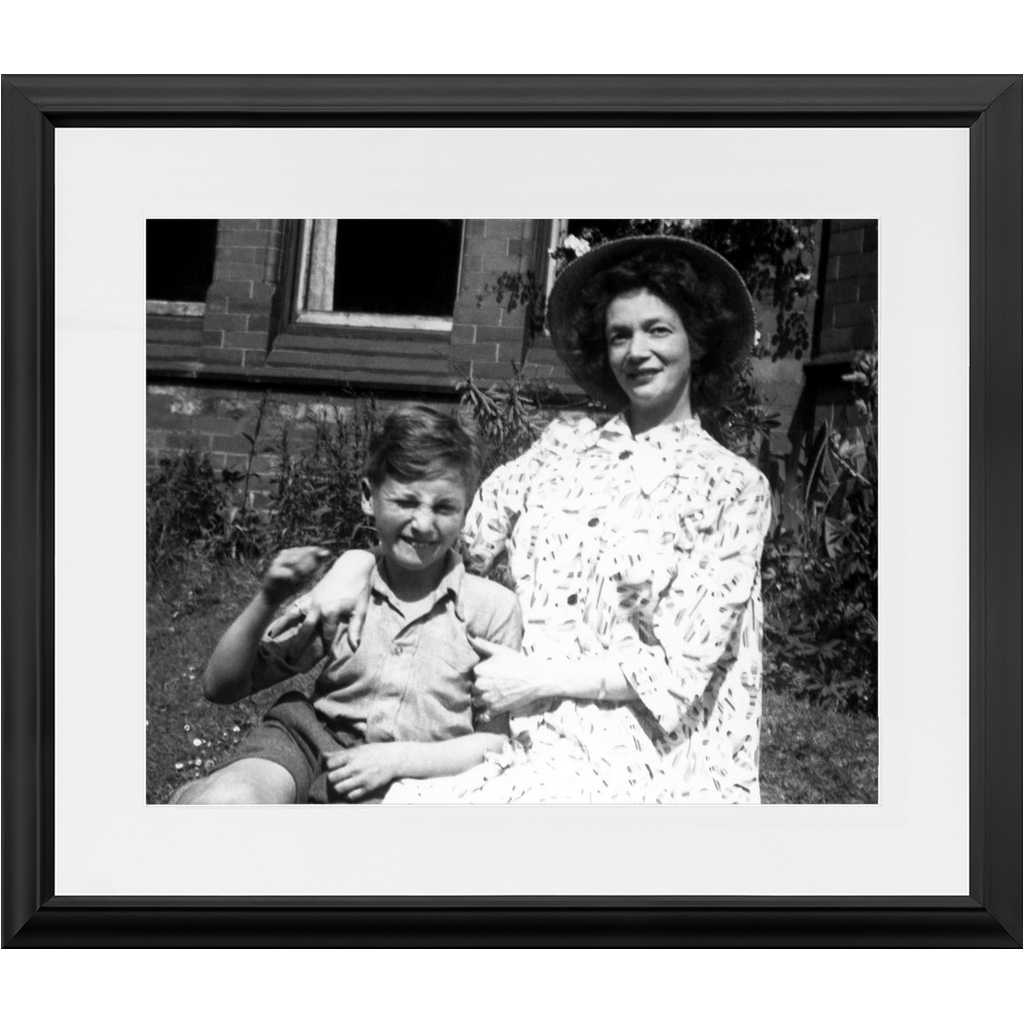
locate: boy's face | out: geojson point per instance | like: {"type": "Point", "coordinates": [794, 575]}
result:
{"type": "Point", "coordinates": [418, 520]}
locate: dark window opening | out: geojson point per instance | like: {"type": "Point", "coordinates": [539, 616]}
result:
{"type": "Point", "coordinates": [397, 267]}
{"type": "Point", "coordinates": [179, 259]}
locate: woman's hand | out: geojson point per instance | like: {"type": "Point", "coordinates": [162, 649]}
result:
{"type": "Point", "coordinates": [290, 571]}
{"type": "Point", "coordinates": [357, 772]}
{"type": "Point", "coordinates": [507, 681]}
{"type": "Point", "coordinates": [340, 599]}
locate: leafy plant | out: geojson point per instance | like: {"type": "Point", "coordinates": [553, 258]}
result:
{"type": "Point", "coordinates": [183, 504]}
{"type": "Point", "coordinates": [510, 414]}
{"type": "Point", "coordinates": [820, 568]}
{"type": "Point", "coordinates": [191, 509]}
{"type": "Point", "coordinates": [316, 496]}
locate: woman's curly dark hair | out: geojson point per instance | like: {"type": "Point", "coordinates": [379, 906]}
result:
{"type": "Point", "coordinates": [699, 301]}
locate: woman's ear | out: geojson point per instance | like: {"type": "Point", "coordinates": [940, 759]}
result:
{"type": "Point", "coordinates": [366, 492]}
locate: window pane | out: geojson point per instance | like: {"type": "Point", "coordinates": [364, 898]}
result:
{"type": "Point", "coordinates": [179, 259]}
{"type": "Point", "coordinates": [400, 267]}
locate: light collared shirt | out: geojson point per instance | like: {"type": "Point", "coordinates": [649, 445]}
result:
{"type": "Point", "coordinates": [409, 678]}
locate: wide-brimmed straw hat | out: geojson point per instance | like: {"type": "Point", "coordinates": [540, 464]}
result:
{"type": "Point", "coordinates": [731, 341]}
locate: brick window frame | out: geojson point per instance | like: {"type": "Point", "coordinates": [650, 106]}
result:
{"type": "Point", "coordinates": [255, 332]}
{"type": "Point", "coordinates": [313, 301]}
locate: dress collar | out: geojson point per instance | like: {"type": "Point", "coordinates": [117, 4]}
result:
{"type": "Point", "coordinates": [665, 433]}
{"type": "Point", "coordinates": [654, 455]}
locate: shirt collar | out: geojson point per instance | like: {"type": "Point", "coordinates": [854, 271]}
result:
{"type": "Point", "coordinates": [451, 583]}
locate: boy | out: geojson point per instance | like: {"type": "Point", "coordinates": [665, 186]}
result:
{"type": "Point", "coordinates": [399, 705]}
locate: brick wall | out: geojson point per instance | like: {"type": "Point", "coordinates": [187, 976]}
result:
{"type": "Point", "coordinates": [213, 420]}
{"type": "Point", "coordinates": [847, 324]}
{"type": "Point", "coordinates": [488, 337]}
{"type": "Point", "coordinates": [205, 371]}
{"type": "Point", "coordinates": [207, 374]}
{"type": "Point", "coordinates": [241, 313]}
{"type": "Point", "coordinates": [850, 294]}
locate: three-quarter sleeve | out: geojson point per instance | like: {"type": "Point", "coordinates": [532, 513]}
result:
{"type": "Point", "coordinates": [697, 621]}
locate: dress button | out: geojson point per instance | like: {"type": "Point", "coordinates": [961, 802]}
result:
{"type": "Point", "coordinates": [396, 649]}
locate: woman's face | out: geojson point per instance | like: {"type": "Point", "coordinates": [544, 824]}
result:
{"type": "Point", "coordinates": [649, 355]}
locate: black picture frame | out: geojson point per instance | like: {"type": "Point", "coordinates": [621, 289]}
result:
{"type": "Point", "coordinates": [33, 106]}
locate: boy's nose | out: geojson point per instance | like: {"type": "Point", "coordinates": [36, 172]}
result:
{"type": "Point", "coordinates": [422, 521]}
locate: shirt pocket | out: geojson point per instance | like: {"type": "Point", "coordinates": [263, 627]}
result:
{"type": "Point", "coordinates": [458, 659]}
{"type": "Point", "coordinates": [443, 701]}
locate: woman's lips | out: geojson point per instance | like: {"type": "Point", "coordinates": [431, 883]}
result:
{"type": "Point", "coordinates": [642, 376]}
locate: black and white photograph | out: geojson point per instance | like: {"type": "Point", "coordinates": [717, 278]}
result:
{"type": "Point", "coordinates": [512, 510]}
{"type": "Point", "coordinates": [499, 459]}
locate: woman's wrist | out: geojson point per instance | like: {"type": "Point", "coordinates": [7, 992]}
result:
{"type": "Point", "coordinates": [600, 678]}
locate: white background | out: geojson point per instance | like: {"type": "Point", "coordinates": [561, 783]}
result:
{"type": "Point", "coordinates": [531, 37]}
{"type": "Point", "coordinates": [914, 842]}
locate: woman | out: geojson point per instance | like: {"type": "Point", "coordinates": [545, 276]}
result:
{"type": "Point", "coordinates": [635, 550]}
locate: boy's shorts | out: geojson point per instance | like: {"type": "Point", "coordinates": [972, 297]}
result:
{"type": "Point", "coordinates": [294, 736]}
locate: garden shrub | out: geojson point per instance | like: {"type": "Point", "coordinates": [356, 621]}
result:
{"type": "Point", "coordinates": [821, 564]}
{"type": "Point", "coordinates": [184, 499]}
{"type": "Point", "coordinates": [316, 496]}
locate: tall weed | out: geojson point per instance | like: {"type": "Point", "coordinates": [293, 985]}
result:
{"type": "Point", "coordinates": [316, 496]}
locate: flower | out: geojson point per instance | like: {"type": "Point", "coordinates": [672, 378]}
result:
{"type": "Point", "coordinates": [569, 248]}
{"type": "Point", "coordinates": [197, 742]}
{"type": "Point", "coordinates": [578, 246]}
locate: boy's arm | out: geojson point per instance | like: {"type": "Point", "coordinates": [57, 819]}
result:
{"type": "Point", "coordinates": [229, 674]}
{"type": "Point", "coordinates": [359, 770]}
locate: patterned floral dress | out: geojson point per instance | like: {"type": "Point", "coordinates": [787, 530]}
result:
{"type": "Point", "coordinates": [646, 549]}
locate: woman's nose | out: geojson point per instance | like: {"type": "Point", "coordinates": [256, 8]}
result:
{"type": "Point", "coordinates": [638, 347]}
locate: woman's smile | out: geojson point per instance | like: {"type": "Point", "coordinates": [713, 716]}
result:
{"type": "Point", "coordinates": [642, 376]}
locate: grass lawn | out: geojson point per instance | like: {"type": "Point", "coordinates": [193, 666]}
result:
{"type": "Point", "coordinates": [809, 754]}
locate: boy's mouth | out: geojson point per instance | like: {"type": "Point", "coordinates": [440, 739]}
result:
{"type": "Point", "coordinates": [420, 545]}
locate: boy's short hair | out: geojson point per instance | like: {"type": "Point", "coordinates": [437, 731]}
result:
{"type": "Point", "coordinates": [416, 442]}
